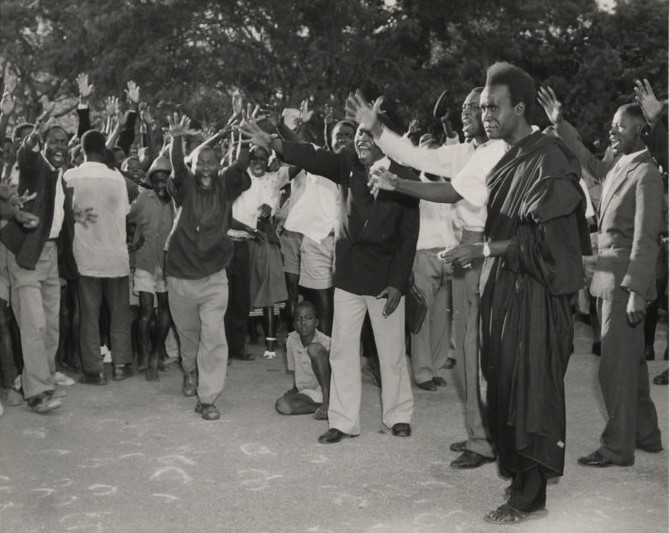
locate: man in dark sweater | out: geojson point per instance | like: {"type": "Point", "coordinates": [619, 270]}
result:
{"type": "Point", "coordinates": [33, 265]}
{"type": "Point", "coordinates": [198, 254]}
{"type": "Point", "coordinates": [374, 254]}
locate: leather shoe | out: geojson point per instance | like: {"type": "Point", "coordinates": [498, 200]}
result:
{"type": "Point", "coordinates": [120, 372]}
{"type": "Point", "coordinates": [190, 385]}
{"type": "Point", "coordinates": [401, 429]}
{"type": "Point", "coordinates": [458, 446]}
{"type": "Point", "coordinates": [662, 378]}
{"type": "Point", "coordinates": [470, 459]}
{"type": "Point", "coordinates": [94, 379]}
{"type": "Point", "coordinates": [244, 357]}
{"type": "Point", "coordinates": [650, 448]}
{"type": "Point", "coordinates": [440, 381]}
{"type": "Point", "coordinates": [595, 348]}
{"type": "Point", "coordinates": [43, 403]}
{"type": "Point", "coordinates": [598, 461]}
{"type": "Point", "coordinates": [207, 411]}
{"type": "Point", "coordinates": [427, 385]}
{"type": "Point", "coordinates": [334, 435]}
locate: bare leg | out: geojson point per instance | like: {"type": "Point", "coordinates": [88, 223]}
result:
{"type": "Point", "coordinates": [147, 359]}
{"type": "Point", "coordinates": [163, 324]}
{"type": "Point", "coordinates": [270, 327]}
{"type": "Point", "coordinates": [319, 357]}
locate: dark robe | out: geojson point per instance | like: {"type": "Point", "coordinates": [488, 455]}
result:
{"type": "Point", "coordinates": [536, 202]}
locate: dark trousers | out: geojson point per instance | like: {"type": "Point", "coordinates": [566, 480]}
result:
{"type": "Point", "coordinates": [115, 291]}
{"type": "Point", "coordinates": [529, 490]}
{"type": "Point", "coordinates": [239, 299]}
{"type": "Point", "coordinates": [624, 381]}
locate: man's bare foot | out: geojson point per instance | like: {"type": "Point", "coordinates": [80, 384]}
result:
{"type": "Point", "coordinates": [322, 412]}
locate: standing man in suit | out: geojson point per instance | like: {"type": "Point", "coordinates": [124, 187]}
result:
{"type": "Point", "coordinates": [623, 281]}
{"type": "Point", "coordinates": [374, 254]}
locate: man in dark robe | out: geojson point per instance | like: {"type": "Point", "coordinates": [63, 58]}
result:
{"type": "Point", "coordinates": [536, 234]}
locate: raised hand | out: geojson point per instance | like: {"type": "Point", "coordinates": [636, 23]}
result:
{"type": "Point", "coordinates": [132, 91]}
{"type": "Point", "coordinates": [111, 106]}
{"type": "Point", "coordinates": [256, 134]}
{"type": "Point", "coordinates": [382, 180]}
{"type": "Point", "coordinates": [180, 126]}
{"type": "Point", "coordinates": [305, 112]}
{"type": "Point", "coordinates": [85, 88]}
{"type": "Point", "coordinates": [361, 111]}
{"type": "Point", "coordinates": [646, 99]}
{"type": "Point", "coordinates": [328, 116]}
{"type": "Point", "coordinates": [414, 127]}
{"type": "Point", "coordinates": [237, 101]}
{"type": "Point", "coordinates": [551, 105]}
{"type": "Point", "coordinates": [19, 201]}
{"type": "Point", "coordinates": [6, 104]}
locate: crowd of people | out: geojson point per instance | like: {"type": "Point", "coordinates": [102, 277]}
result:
{"type": "Point", "coordinates": [148, 245]}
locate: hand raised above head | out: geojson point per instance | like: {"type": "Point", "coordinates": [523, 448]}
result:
{"type": "Point", "coordinates": [551, 105]}
{"type": "Point", "coordinates": [305, 112]}
{"type": "Point", "coordinates": [250, 129]}
{"type": "Point", "coordinates": [7, 103]}
{"type": "Point", "coordinates": [651, 106]}
{"type": "Point", "coordinates": [145, 115]}
{"type": "Point", "coordinates": [132, 91]}
{"type": "Point", "coordinates": [358, 109]}
{"type": "Point", "coordinates": [180, 126]}
{"type": "Point", "coordinates": [85, 88]}
{"type": "Point", "coordinates": [112, 106]}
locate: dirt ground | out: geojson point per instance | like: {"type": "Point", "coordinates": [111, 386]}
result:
{"type": "Point", "coordinates": [134, 457]}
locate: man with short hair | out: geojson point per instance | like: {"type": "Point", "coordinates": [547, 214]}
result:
{"type": "Point", "coordinates": [537, 234]}
{"type": "Point", "coordinates": [101, 254]}
{"type": "Point", "coordinates": [467, 165]}
{"type": "Point", "coordinates": [624, 280]}
{"type": "Point", "coordinates": [374, 253]}
{"type": "Point", "coordinates": [33, 265]}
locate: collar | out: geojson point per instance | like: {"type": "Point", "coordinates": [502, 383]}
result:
{"type": "Point", "coordinates": [627, 158]}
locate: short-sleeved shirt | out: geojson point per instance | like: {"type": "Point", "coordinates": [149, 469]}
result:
{"type": "Point", "coordinates": [298, 360]}
{"type": "Point", "coordinates": [153, 219]}
{"type": "Point", "coordinates": [100, 248]}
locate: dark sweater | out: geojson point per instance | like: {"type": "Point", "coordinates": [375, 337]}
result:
{"type": "Point", "coordinates": [200, 245]}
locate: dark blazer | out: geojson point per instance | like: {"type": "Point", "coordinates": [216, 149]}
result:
{"type": "Point", "coordinates": [36, 175]}
{"type": "Point", "coordinates": [377, 237]}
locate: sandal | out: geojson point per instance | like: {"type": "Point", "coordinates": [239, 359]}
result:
{"type": "Point", "coordinates": [506, 515]}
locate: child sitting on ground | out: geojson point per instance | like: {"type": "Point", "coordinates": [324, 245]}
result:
{"type": "Point", "coordinates": [307, 354]}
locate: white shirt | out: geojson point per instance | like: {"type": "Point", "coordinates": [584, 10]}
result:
{"type": "Point", "coordinates": [467, 172]}
{"type": "Point", "coordinates": [436, 227]}
{"type": "Point", "coordinates": [315, 212]}
{"type": "Point", "coordinates": [263, 190]}
{"type": "Point", "coordinates": [299, 362]}
{"type": "Point", "coordinates": [59, 207]}
{"type": "Point", "coordinates": [623, 160]}
{"type": "Point", "coordinates": [100, 248]}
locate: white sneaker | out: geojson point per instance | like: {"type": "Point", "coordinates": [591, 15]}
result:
{"type": "Point", "coordinates": [269, 355]}
{"type": "Point", "coordinates": [62, 380]}
{"type": "Point", "coordinates": [17, 383]}
{"type": "Point", "coordinates": [107, 354]}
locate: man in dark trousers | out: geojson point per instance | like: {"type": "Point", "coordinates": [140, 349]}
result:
{"type": "Point", "coordinates": [536, 234]}
{"type": "Point", "coordinates": [374, 254]}
{"type": "Point", "coordinates": [624, 281]}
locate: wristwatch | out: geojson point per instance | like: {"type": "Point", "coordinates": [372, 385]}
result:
{"type": "Point", "coordinates": [486, 251]}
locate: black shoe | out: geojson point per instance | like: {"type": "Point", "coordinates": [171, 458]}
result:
{"type": "Point", "coordinates": [94, 379]}
{"type": "Point", "coordinates": [244, 357]}
{"type": "Point", "coordinates": [469, 459]}
{"type": "Point", "coordinates": [190, 385]}
{"type": "Point", "coordinates": [662, 378]}
{"type": "Point", "coordinates": [334, 435]}
{"type": "Point", "coordinates": [427, 385]}
{"type": "Point", "coordinates": [595, 348]}
{"type": "Point", "coordinates": [121, 372]}
{"type": "Point", "coordinates": [653, 448]}
{"type": "Point", "coordinates": [451, 363]}
{"type": "Point", "coordinates": [458, 446]}
{"type": "Point", "coordinates": [598, 461]}
{"type": "Point", "coordinates": [207, 411]}
{"type": "Point", "coordinates": [440, 381]}
{"type": "Point", "coordinates": [401, 429]}
{"type": "Point", "coordinates": [43, 403]}
{"type": "Point", "coordinates": [649, 353]}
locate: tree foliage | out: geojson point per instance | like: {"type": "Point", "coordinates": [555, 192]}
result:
{"type": "Point", "coordinates": [193, 53]}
